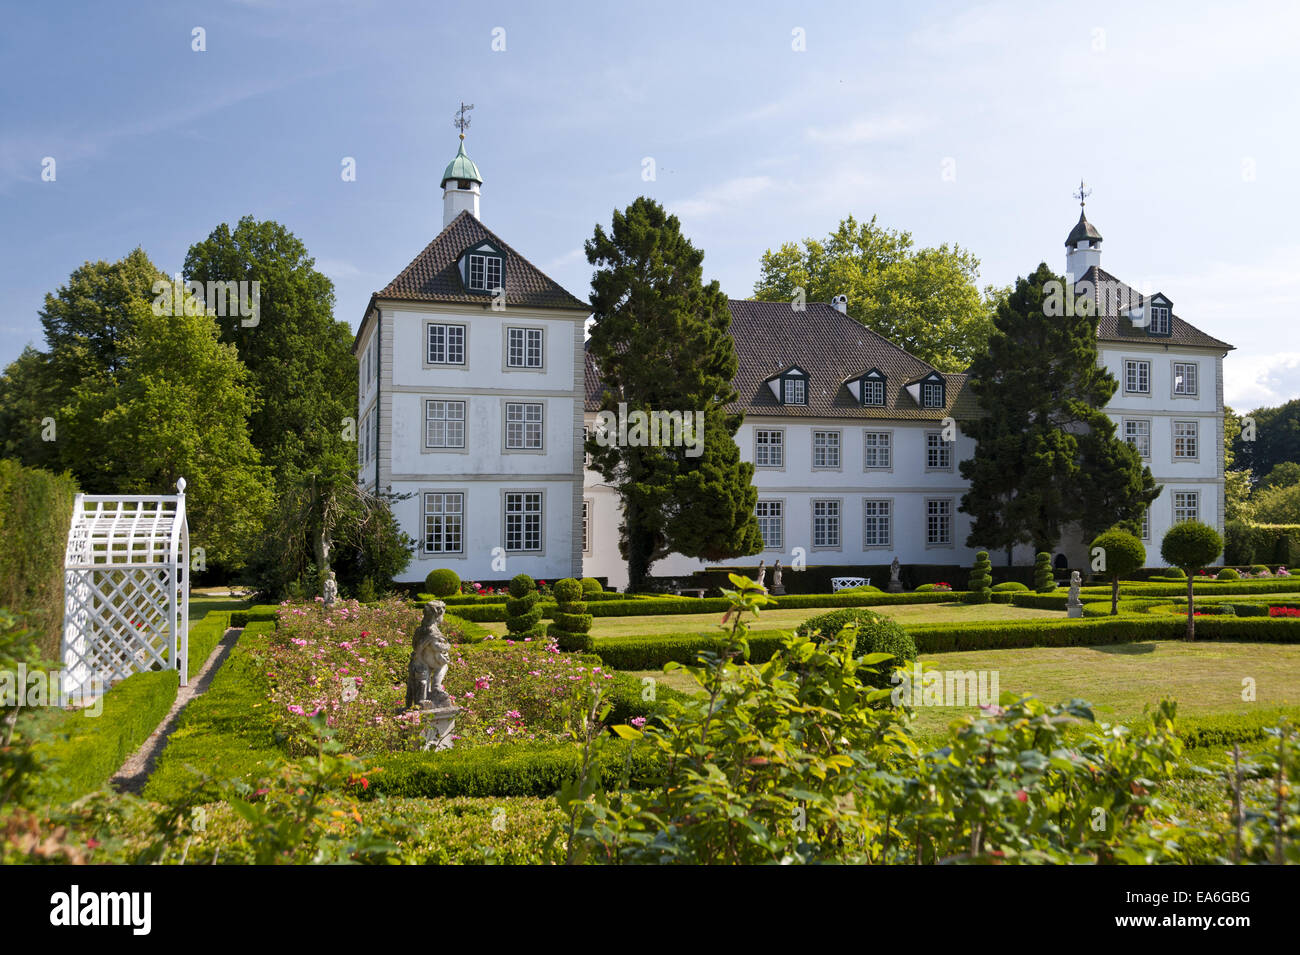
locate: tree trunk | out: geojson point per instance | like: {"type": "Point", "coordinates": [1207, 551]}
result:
{"type": "Point", "coordinates": [1114, 596]}
{"type": "Point", "coordinates": [1191, 609]}
{"type": "Point", "coordinates": [1010, 553]}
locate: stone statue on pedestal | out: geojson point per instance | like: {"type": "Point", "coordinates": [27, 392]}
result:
{"type": "Point", "coordinates": [1073, 605]}
{"type": "Point", "coordinates": [762, 574]}
{"type": "Point", "coordinates": [430, 657]}
{"type": "Point", "coordinates": [330, 591]}
{"type": "Point", "coordinates": [895, 585]}
{"type": "Point", "coordinates": [777, 587]}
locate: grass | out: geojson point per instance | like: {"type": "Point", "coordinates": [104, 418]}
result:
{"type": "Point", "coordinates": [778, 619]}
{"type": "Point", "coordinates": [200, 605]}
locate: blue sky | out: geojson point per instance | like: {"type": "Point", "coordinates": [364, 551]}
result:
{"type": "Point", "coordinates": [1180, 116]}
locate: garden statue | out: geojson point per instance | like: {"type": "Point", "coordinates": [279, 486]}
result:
{"type": "Point", "coordinates": [777, 587]}
{"type": "Point", "coordinates": [1074, 606]}
{"type": "Point", "coordinates": [895, 585]}
{"type": "Point", "coordinates": [430, 657]}
{"type": "Point", "coordinates": [330, 591]}
{"type": "Point", "coordinates": [762, 574]}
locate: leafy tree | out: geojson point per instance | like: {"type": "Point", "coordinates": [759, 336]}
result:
{"type": "Point", "coordinates": [1190, 545]}
{"type": "Point", "coordinates": [1122, 554]}
{"type": "Point", "coordinates": [301, 359]}
{"type": "Point", "coordinates": [924, 300]}
{"type": "Point", "coordinates": [1275, 437]}
{"type": "Point", "coordinates": [1278, 505]}
{"type": "Point", "coordinates": [1285, 474]}
{"type": "Point", "coordinates": [27, 399]}
{"type": "Point", "coordinates": [661, 342]}
{"type": "Point", "coordinates": [1236, 481]}
{"type": "Point", "coordinates": [176, 405]}
{"type": "Point", "coordinates": [1046, 453]}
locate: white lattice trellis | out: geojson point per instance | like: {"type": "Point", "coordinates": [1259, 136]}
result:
{"type": "Point", "coordinates": [126, 588]}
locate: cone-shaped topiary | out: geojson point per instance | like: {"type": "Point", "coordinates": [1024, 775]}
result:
{"type": "Point", "coordinates": [523, 616]}
{"type": "Point", "coordinates": [442, 582]}
{"type": "Point", "coordinates": [1044, 579]}
{"type": "Point", "coordinates": [572, 622]}
{"type": "Point", "coordinates": [981, 579]}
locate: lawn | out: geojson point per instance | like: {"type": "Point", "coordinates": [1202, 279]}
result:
{"type": "Point", "coordinates": [778, 619]}
{"type": "Point", "coordinates": [1120, 680]}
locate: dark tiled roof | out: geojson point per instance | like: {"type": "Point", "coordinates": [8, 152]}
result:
{"type": "Point", "coordinates": [833, 349]}
{"type": "Point", "coordinates": [1083, 229]}
{"type": "Point", "coordinates": [433, 276]}
{"type": "Point", "coordinates": [1113, 325]}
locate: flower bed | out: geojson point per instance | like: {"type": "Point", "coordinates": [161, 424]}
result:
{"type": "Point", "coordinates": [349, 664]}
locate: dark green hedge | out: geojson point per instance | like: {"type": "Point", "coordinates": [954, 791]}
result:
{"type": "Point", "coordinates": [651, 653]}
{"type": "Point", "coordinates": [82, 752]}
{"type": "Point", "coordinates": [1224, 729]}
{"type": "Point", "coordinates": [35, 511]}
{"type": "Point", "coordinates": [1005, 635]}
{"type": "Point", "coordinates": [258, 613]}
{"type": "Point", "coordinates": [204, 637]}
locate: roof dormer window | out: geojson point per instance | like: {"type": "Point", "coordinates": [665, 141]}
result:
{"type": "Point", "coordinates": [1159, 320]}
{"type": "Point", "coordinates": [794, 391]}
{"type": "Point", "coordinates": [869, 389]}
{"type": "Point", "coordinates": [932, 394]}
{"type": "Point", "coordinates": [484, 272]}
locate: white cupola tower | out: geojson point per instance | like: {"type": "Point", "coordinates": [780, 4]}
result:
{"type": "Point", "coordinates": [1083, 244]}
{"type": "Point", "coordinates": [460, 186]}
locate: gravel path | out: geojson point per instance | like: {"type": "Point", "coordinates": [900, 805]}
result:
{"type": "Point", "coordinates": [139, 765]}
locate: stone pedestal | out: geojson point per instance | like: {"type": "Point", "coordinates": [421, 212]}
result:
{"type": "Point", "coordinates": [437, 723]}
{"type": "Point", "coordinates": [1074, 610]}
{"type": "Point", "coordinates": [895, 587]}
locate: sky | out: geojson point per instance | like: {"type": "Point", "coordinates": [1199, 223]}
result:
{"type": "Point", "coordinates": [967, 124]}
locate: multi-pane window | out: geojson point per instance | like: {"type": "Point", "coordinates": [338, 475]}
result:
{"type": "Point", "coordinates": [1187, 506]}
{"type": "Point", "coordinates": [1146, 525]}
{"type": "Point", "coordinates": [523, 426]}
{"type": "Point", "coordinates": [826, 449]}
{"type": "Point", "coordinates": [444, 522]}
{"type": "Point", "coordinates": [1185, 439]}
{"type": "Point", "coordinates": [444, 424]}
{"type": "Point", "coordinates": [485, 272]}
{"type": "Point", "coordinates": [1137, 377]}
{"type": "Point", "coordinates": [931, 394]}
{"type": "Point", "coordinates": [938, 452]}
{"type": "Point", "coordinates": [586, 435]}
{"type": "Point", "coordinates": [1185, 382]}
{"type": "Point", "coordinates": [1138, 434]}
{"type": "Point", "coordinates": [794, 391]}
{"type": "Point", "coordinates": [524, 521]}
{"type": "Point", "coordinates": [875, 449]}
{"type": "Point", "coordinates": [875, 524]}
{"type": "Point", "coordinates": [363, 446]}
{"type": "Point", "coordinates": [524, 348]}
{"type": "Point", "coordinates": [446, 345]}
{"type": "Point", "coordinates": [769, 449]}
{"type": "Point", "coordinates": [873, 391]}
{"type": "Point", "coordinates": [826, 523]}
{"type": "Point", "coordinates": [1159, 319]}
{"type": "Point", "coordinates": [938, 522]}
{"type": "Point", "coordinates": [771, 523]}
{"type": "Point", "coordinates": [586, 526]}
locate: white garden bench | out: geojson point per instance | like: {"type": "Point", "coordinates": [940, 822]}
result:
{"type": "Point", "coordinates": [845, 583]}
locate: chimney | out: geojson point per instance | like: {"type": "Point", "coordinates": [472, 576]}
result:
{"type": "Point", "coordinates": [841, 304]}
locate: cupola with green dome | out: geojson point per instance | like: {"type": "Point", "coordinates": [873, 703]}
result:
{"type": "Point", "coordinates": [461, 179]}
{"type": "Point", "coordinates": [462, 167]}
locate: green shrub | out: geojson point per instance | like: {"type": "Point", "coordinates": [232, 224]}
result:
{"type": "Point", "coordinates": [1259, 569]}
{"type": "Point", "coordinates": [523, 615]}
{"type": "Point", "coordinates": [35, 512]}
{"type": "Point", "coordinates": [876, 634]}
{"type": "Point", "coordinates": [1227, 574]}
{"type": "Point", "coordinates": [1175, 572]}
{"type": "Point", "coordinates": [570, 631]}
{"type": "Point", "coordinates": [981, 580]}
{"type": "Point", "coordinates": [1044, 578]}
{"type": "Point", "coordinates": [82, 752]}
{"type": "Point", "coordinates": [590, 585]}
{"type": "Point", "coordinates": [1010, 586]}
{"type": "Point", "coordinates": [442, 582]}
{"type": "Point", "coordinates": [651, 653]}
{"type": "Point", "coordinates": [1238, 543]}
{"type": "Point", "coordinates": [864, 589]}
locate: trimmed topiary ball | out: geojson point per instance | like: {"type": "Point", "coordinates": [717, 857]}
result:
{"type": "Point", "coordinates": [1174, 572]}
{"type": "Point", "coordinates": [1012, 586]}
{"type": "Point", "coordinates": [876, 634]}
{"type": "Point", "coordinates": [590, 585]}
{"type": "Point", "coordinates": [521, 585]}
{"type": "Point", "coordinates": [442, 582]}
{"type": "Point", "coordinates": [1227, 574]}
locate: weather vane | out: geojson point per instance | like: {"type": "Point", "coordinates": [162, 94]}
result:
{"type": "Point", "coordinates": [462, 119]}
{"type": "Point", "coordinates": [1082, 194]}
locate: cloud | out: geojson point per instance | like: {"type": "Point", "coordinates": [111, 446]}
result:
{"type": "Point", "coordinates": [874, 130]}
{"type": "Point", "coordinates": [1260, 381]}
{"type": "Point", "coordinates": [726, 196]}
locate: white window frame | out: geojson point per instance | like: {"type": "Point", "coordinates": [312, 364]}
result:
{"type": "Point", "coordinates": [878, 512]}
{"type": "Point", "coordinates": [454, 517]}
{"type": "Point", "coordinates": [774, 443]}
{"type": "Point", "coordinates": [1160, 320]}
{"type": "Point", "coordinates": [831, 446]}
{"type": "Point", "coordinates": [1130, 438]}
{"type": "Point", "coordinates": [873, 392]}
{"type": "Point", "coordinates": [828, 521]}
{"type": "Point", "coordinates": [1179, 382]}
{"type": "Point", "coordinates": [1144, 532]}
{"type": "Point", "coordinates": [486, 264]}
{"type": "Point", "coordinates": [775, 512]}
{"type": "Point", "coordinates": [794, 396]}
{"type": "Point", "coordinates": [1192, 437]}
{"type": "Point", "coordinates": [519, 419]}
{"type": "Point", "coordinates": [882, 449]}
{"type": "Point", "coordinates": [531, 350]}
{"type": "Point", "coordinates": [586, 525]}
{"type": "Point", "coordinates": [1142, 365]}
{"type": "Point", "coordinates": [450, 331]}
{"type": "Point", "coordinates": [944, 513]}
{"type": "Point", "coordinates": [931, 388]}
{"type": "Point", "coordinates": [935, 444]}
{"type": "Point", "coordinates": [521, 511]}
{"type": "Point", "coordinates": [1189, 512]}
{"type": "Point", "coordinates": [448, 419]}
